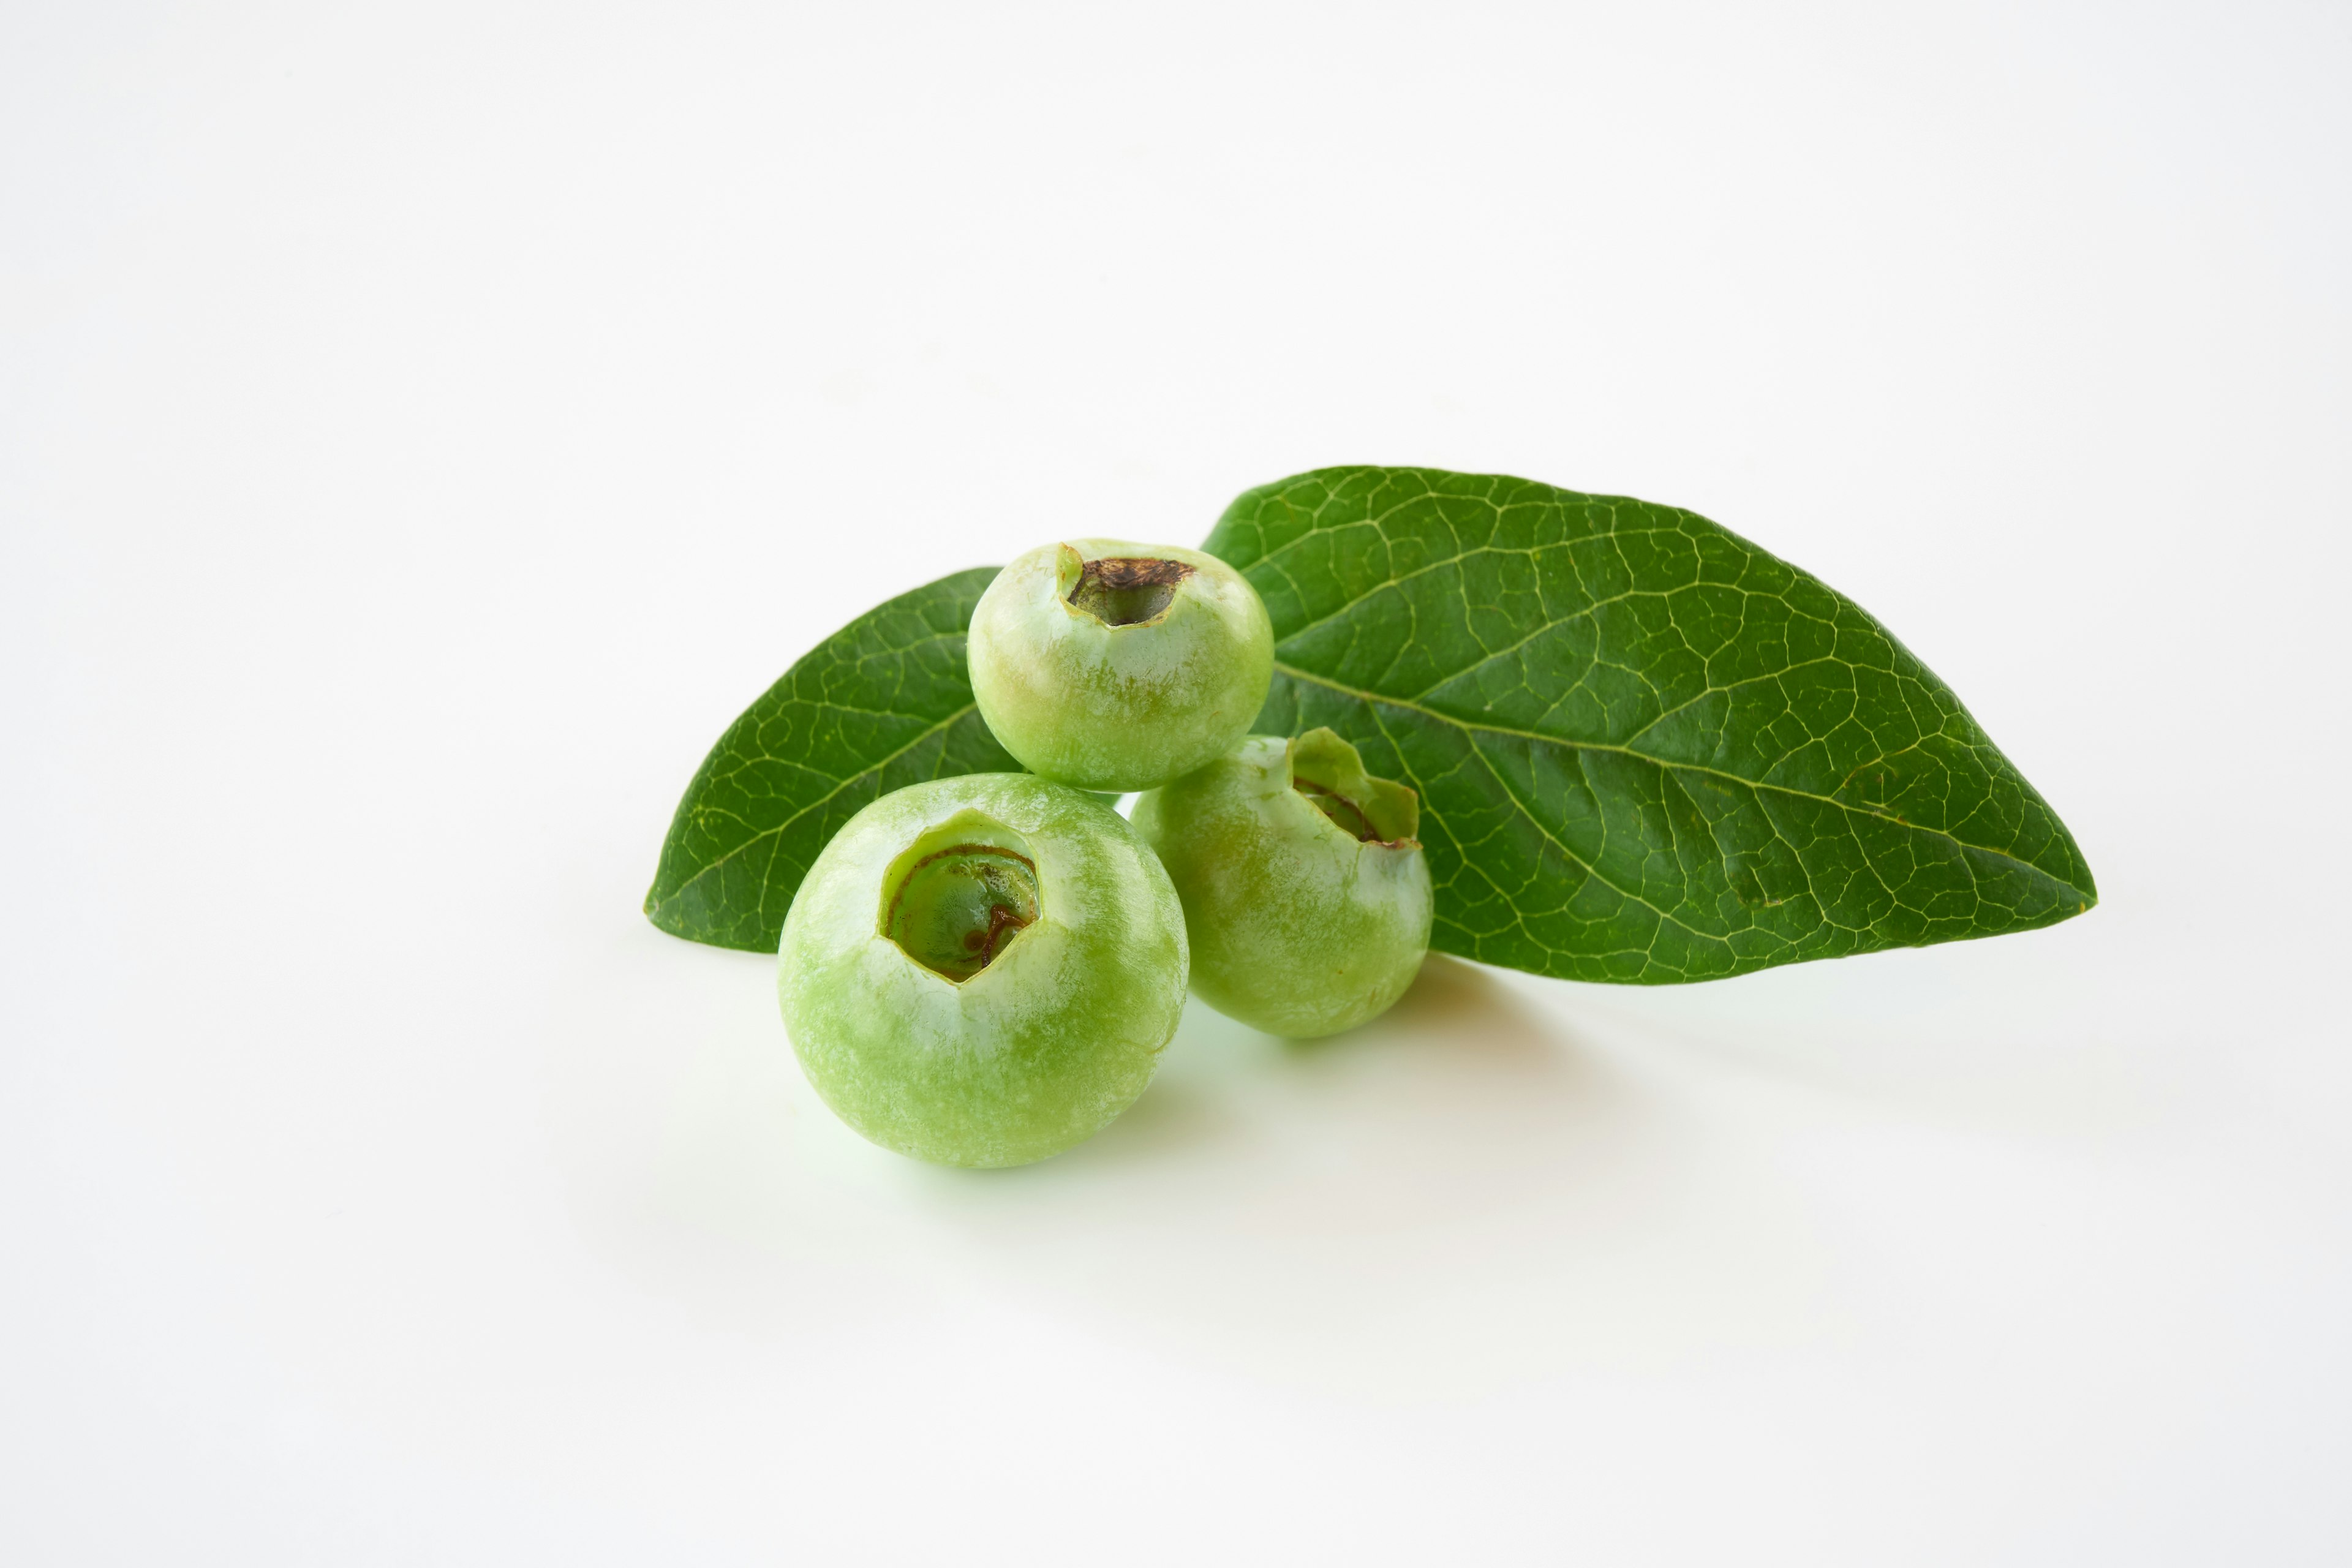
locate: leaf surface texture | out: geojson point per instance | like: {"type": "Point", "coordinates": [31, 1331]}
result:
{"type": "Point", "coordinates": [881, 704]}
{"type": "Point", "coordinates": [1647, 751]}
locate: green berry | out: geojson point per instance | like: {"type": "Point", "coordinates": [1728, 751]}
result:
{"type": "Point", "coordinates": [1307, 896]}
{"type": "Point", "coordinates": [982, 969]}
{"type": "Point", "coordinates": [1118, 666]}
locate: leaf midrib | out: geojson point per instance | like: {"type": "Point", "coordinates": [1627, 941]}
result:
{"type": "Point", "coordinates": [1468, 727]}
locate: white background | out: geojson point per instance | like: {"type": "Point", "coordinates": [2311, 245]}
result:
{"type": "Point", "coordinates": [424, 427]}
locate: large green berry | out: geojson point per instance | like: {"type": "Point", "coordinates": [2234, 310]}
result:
{"type": "Point", "coordinates": [982, 969]}
{"type": "Point", "coordinates": [1307, 895]}
{"type": "Point", "coordinates": [1118, 666]}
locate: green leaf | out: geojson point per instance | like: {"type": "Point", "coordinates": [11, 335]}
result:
{"type": "Point", "coordinates": [1646, 750]}
{"type": "Point", "coordinates": [882, 703]}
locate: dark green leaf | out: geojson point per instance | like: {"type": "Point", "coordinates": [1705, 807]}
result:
{"type": "Point", "coordinates": [1646, 750]}
{"type": "Point", "coordinates": [882, 703]}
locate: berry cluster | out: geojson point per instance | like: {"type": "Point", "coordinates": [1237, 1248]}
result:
{"type": "Point", "coordinates": [982, 969]}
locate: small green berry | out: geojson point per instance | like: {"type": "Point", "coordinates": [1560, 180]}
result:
{"type": "Point", "coordinates": [982, 969]}
{"type": "Point", "coordinates": [1307, 896]}
{"type": "Point", "coordinates": [1118, 666]}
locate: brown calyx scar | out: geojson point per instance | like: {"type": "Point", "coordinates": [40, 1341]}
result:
{"type": "Point", "coordinates": [1128, 590]}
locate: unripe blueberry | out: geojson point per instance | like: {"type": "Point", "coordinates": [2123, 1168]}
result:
{"type": "Point", "coordinates": [982, 969]}
{"type": "Point", "coordinates": [1307, 896]}
{"type": "Point", "coordinates": [1118, 666]}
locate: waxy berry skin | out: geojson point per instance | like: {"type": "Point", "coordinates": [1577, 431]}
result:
{"type": "Point", "coordinates": [982, 969]}
{"type": "Point", "coordinates": [1307, 896]}
{"type": "Point", "coordinates": [1115, 666]}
